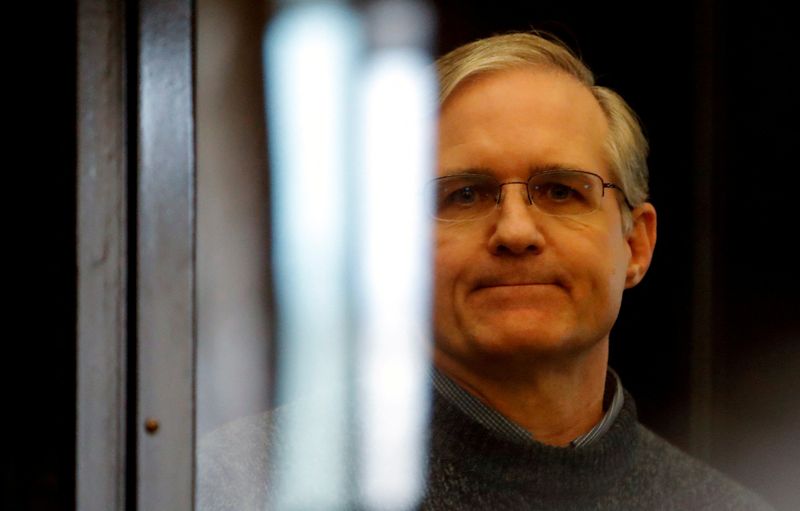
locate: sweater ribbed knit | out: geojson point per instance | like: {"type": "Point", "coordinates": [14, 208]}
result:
{"type": "Point", "coordinates": [628, 468]}
{"type": "Point", "coordinates": [473, 468]}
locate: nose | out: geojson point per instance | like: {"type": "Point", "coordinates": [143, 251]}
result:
{"type": "Point", "coordinates": [516, 230]}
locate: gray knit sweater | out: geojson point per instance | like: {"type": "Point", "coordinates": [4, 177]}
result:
{"type": "Point", "coordinates": [472, 468]}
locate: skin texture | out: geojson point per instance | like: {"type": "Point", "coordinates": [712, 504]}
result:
{"type": "Point", "coordinates": [524, 302]}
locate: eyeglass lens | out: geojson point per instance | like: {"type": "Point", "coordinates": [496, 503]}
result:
{"type": "Point", "coordinates": [564, 193]}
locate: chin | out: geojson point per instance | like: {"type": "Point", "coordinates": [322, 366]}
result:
{"type": "Point", "coordinates": [525, 346]}
{"type": "Point", "coordinates": [537, 335]}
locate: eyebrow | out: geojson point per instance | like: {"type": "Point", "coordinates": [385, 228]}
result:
{"type": "Point", "coordinates": [482, 171]}
{"type": "Point", "coordinates": [532, 170]}
{"type": "Point", "coordinates": [538, 169]}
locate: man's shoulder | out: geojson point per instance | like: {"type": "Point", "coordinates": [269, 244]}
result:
{"type": "Point", "coordinates": [684, 482]}
{"type": "Point", "coordinates": [232, 466]}
{"type": "Point", "coordinates": [238, 436]}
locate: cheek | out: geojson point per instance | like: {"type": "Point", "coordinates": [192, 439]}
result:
{"type": "Point", "coordinates": [610, 275]}
{"type": "Point", "coordinates": [600, 264]}
{"type": "Point", "coordinates": [445, 313]}
{"type": "Point", "coordinates": [452, 259]}
{"type": "Point", "coordinates": [446, 269]}
{"type": "Point", "coordinates": [450, 255]}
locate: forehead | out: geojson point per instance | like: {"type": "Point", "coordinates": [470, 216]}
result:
{"type": "Point", "coordinates": [512, 120]}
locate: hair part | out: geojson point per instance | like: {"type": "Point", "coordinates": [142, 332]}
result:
{"type": "Point", "coordinates": [626, 146]}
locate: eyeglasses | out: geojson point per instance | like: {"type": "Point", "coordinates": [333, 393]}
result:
{"type": "Point", "coordinates": [559, 192]}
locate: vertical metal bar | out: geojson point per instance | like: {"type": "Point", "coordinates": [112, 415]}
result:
{"type": "Point", "coordinates": [102, 257]}
{"type": "Point", "coordinates": [166, 256]}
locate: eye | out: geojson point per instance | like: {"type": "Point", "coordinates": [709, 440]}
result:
{"type": "Point", "coordinates": [462, 197]}
{"type": "Point", "coordinates": [555, 192]}
{"type": "Point", "coordinates": [560, 192]}
{"type": "Point", "coordinates": [465, 196]}
{"type": "Point", "coordinates": [565, 192]}
{"type": "Point", "coordinates": [465, 192]}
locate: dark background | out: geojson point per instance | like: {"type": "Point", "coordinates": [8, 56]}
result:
{"type": "Point", "coordinates": [714, 85]}
{"type": "Point", "coordinates": [38, 357]}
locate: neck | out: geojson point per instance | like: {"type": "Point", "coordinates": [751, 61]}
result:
{"type": "Point", "coordinates": [556, 399]}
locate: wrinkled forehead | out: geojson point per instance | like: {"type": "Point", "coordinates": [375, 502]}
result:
{"type": "Point", "coordinates": [520, 78]}
{"type": "Point", "coordinates": [523, 118]}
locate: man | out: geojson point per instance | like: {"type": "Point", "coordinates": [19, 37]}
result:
{"type": "Point", "coordinates": [542, 223]}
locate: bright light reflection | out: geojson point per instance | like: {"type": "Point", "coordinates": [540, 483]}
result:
{"type": "Point", "coordinates": [310, 52]}
{"type": "Point", "coordinates": [398, 103]}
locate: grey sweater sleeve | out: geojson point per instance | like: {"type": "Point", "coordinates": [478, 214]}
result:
{"type": "Point", "coordinates": [232, 469]}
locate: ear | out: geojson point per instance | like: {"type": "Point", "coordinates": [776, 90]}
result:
{"type": "Point", "coordinates": [641, 242]}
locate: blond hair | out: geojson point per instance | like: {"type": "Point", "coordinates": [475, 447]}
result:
{"type": "Point", "coordinates": [626, 145]}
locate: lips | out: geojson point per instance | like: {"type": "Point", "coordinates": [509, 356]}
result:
{"type": "Point", "coordinates": [515, 284]}
{"type": "Point", "coordinates": [515, 295]}
{"type": "Point", "coordinates": [517, 280]}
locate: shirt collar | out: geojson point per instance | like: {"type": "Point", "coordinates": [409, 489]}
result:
{"type": "Point", "coordinates": [613, 399]}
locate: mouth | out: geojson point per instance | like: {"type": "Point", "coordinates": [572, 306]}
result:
{"type": "Point", "coordinates": [512, 285]}
{"type": "Point", "coordinates": [516, 295]}
{"type": "Point", "coordinates": [501, 282]}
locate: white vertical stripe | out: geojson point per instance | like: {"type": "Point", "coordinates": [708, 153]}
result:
{"type": "Point", "coordinates": [397, 126]}
{"type": "Point", "coordinates": [310, 54]}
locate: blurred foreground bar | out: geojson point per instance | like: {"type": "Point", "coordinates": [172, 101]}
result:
{"type": "Point", "coordinates": [311, 51]}
{"type": "Point", "coordinates": [350, 104]}
{"type": "Point", "coordinates": [397, 102]}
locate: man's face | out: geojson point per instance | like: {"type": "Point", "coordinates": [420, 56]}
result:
{"type": "Point", "coordinates": [520, 282]}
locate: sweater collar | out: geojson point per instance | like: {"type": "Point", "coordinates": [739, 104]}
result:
{"type": "Point", "coordinates": [462, 444]}
{"type": "Point", "coordinates": [613, 400]}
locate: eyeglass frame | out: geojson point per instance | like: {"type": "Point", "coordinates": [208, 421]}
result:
{"type": "Point", "coordinates": [500, 185]}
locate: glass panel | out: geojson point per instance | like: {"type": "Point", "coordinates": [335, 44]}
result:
{"type": "Point", "coordinates": [350, 103]}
